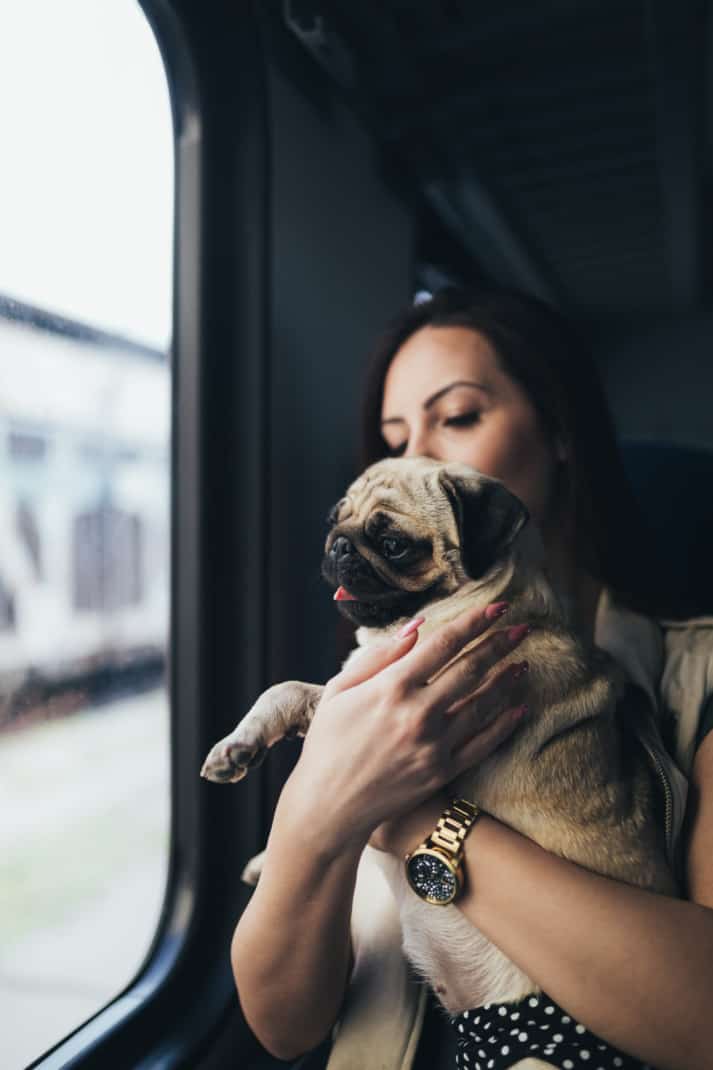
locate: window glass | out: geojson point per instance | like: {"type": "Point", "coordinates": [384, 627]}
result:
{"type": "Point", "coordinates": [86, 209]}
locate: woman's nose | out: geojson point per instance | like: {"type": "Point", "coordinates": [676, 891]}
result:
{"type": "Point", "coordinates": [416, 445]}
{"type": "Point", "coordinates": [420, 445]}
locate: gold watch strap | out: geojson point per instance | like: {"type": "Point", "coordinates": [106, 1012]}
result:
{"type": "Point", "coordinates": [454, 825]}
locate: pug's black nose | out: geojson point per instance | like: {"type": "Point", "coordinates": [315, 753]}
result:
{"type": "Point", "coordinates": [341, 547]}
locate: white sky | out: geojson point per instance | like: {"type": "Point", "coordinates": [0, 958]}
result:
{"type": "Point", "coordinates": [86, 164]}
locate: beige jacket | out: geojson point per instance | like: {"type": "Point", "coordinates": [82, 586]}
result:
{"type": "Point", "coordinates": [673, 662]}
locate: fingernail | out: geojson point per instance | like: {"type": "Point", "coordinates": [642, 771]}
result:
{"type": "Point", "coordinates": [520, 712]}
{"type": "Point", "coordinates": [496, 609]}
{"type": "Point", "coordinates": [518, 632]}
{"type": "Point", "coordinates": [520, 670]}
{"type": "Point", "coordinates": [410, 627]}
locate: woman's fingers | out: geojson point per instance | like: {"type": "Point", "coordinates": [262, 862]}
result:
{"type": "Point", "coordinates": [482, 745]}
{"type": "Point", "coordinates": [376, 657]}
{"type": "Point", "coordinates": [435, 652]}
{"type": "Point", "coordinates": [470, 715]}
{"type": "Point", "coordinates": [462, 676]}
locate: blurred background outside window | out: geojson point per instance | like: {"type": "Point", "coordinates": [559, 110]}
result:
{"type": "Point", "coordinates": [86, 218]}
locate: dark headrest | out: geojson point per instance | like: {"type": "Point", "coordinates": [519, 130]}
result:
{"type": "Point", "coordinates": [674, 487]}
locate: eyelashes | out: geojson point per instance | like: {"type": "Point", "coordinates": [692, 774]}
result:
{"type": "Point", "coordinates": [466, 419]}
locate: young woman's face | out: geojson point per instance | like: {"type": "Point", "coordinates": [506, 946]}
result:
{"type": "Point", "coordinates": [446, 397]}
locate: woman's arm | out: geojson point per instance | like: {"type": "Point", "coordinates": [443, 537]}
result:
{"type": "Point", "coordinates": [634, 967]}
{"type": "Point", "coordinates": [699, 859]}
{"type": "Point", "coordinates": [291, 949]}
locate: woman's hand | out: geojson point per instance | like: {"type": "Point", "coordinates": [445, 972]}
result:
{"type": "Point", "coordinates": [400, 722]}
{"type": "Point", "coordinates": [400, 835]}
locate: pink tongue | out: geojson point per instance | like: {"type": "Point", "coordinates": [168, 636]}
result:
{"type": "Point", "coordinates": [342, 595]}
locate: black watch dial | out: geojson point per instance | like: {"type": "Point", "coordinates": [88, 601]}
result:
{"type": "Point", "coordinates": [431, 878]}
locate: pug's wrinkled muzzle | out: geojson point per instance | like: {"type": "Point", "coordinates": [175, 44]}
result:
{"type": "Point", "coordinates": [344, 567]}
{"type": "Point", "coordinates": [361, 594]}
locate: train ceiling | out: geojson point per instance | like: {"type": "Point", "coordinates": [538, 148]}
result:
{"type": "Point", "coordinates": [564, 144]}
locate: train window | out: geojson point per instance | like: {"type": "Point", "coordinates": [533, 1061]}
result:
{"type": "Point", "coordinates": [86, 214]}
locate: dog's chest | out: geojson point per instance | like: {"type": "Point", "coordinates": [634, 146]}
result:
{"type": "Point", "coordinates": [461, 966]}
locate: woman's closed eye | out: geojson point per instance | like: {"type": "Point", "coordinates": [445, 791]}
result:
{"type": "Point", "coordinates": [466, 419]}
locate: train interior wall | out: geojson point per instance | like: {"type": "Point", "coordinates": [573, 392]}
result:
{"type": "Point", "coordinates": [341, 256]}
{"type": "Point", "coordinates": [659, 378]}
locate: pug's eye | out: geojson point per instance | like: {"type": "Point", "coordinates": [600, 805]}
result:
{"type": "Point", "coordinates": [393, 547]}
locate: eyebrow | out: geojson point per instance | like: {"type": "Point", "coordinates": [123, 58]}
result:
{"type": "Point", "coordinates": [439, 394]}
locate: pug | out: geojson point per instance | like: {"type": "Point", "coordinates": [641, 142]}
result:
{"type": "Point", "coordinates": [415, 536]}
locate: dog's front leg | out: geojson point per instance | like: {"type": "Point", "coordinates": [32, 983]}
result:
{"type": "Point", "coordinates": [284, 710]}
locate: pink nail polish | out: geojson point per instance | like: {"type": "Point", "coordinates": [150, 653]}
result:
{"type": "Point", "coordinates": [410, 627]}
{"type": "Point", "coordinates": [518, 632]}
{"type": "Point", "coordinates": [496, 609]}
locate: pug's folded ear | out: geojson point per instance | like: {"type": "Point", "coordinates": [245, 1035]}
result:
{"type": "Point", "coordinates": [488, 517]}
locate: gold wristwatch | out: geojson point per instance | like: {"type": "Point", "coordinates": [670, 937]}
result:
{"type": "Point", "coordinates": [434, 870]}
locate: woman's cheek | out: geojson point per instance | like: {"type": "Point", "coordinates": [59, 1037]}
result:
{"type": "Point", "coordinates": [522, 461]}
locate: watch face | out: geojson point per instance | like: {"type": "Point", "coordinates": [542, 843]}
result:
{"type": "Point", "coordinates": [432, 878]}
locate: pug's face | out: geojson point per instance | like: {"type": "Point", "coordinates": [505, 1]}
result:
{"type": "Point", "coordinates": [410, 531]}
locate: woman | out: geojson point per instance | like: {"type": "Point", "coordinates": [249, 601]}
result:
{"type": "Point", "coordinates": [498, 381]}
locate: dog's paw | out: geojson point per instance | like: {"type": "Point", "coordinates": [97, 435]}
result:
{"type": "Point", "coordinates": [230, 760]}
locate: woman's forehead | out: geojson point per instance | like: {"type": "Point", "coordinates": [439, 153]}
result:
{"type": "Point", "coordinates": [434, 357]}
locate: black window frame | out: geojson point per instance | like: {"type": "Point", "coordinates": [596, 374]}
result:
{"type": "Point", "coordinates": [184, 994]}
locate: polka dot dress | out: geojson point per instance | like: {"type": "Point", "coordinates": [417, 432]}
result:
{"type": "Point", "coordinates": [497, 1035]}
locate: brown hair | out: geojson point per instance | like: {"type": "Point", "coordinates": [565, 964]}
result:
{"type": "Point", "coordinates": [541, 351]}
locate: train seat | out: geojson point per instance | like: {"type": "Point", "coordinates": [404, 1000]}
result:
{"type": "Point", "coordinates": [674, 487]}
